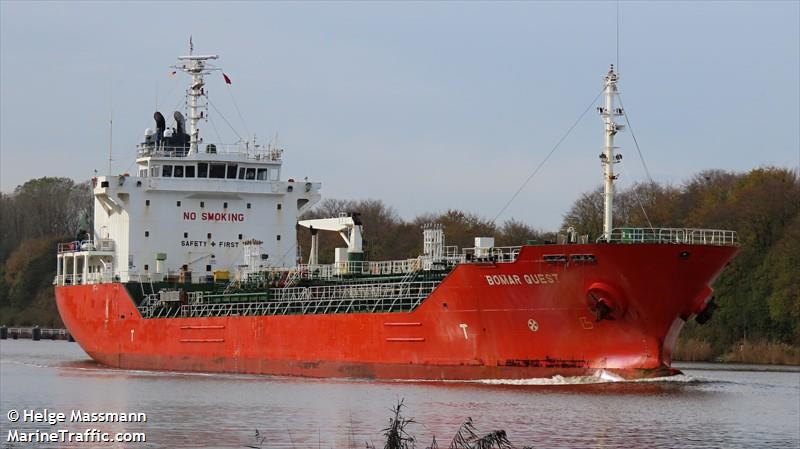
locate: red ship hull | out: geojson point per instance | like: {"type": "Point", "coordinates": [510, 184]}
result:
{"type": "Point", "coordinates": [523, 319]}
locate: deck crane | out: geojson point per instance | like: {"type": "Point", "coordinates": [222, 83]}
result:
{"type": "Point", "coordinates": [348, 226]}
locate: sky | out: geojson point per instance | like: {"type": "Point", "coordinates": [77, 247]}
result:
{"type": "Point", "coordinates": [428, 106]}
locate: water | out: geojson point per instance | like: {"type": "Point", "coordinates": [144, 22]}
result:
{"type": "Point", "coordinates": [707, 407]}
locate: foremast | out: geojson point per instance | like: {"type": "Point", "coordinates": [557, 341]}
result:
{"type": "Point", "coordinates": [195, 66]}
{"type": "Point", "coordinates": [609, 113]}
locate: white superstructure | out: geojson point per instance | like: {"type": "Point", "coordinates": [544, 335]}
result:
{"type": "Point", "coordinates": [190, 205]}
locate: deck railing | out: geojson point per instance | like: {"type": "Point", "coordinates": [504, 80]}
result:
{"type": "Point", "coordinates": [716, 237]}
{"type": "Point", "coordinates": [496, 254]}
{"type": "Point", "coordinates": [80, 279]}
{"type": "Point", "coordinates": [161, 151]}
{"type": "Point", "coordinates": [384, 267]}
{"type": "Point", "coordinates": [86, 245]}
{"type": "Point", "coordinates": [359, 298]}
{"type": "Point", "coordinates": [387, 267]}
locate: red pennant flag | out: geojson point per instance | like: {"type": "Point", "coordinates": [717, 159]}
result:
{"type": "Point", "coordinates": [227, 79]}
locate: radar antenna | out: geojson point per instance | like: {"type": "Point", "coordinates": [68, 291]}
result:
{"type": "Point", "coordinates": [196, 67]}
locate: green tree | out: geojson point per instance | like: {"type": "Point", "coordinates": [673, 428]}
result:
{"type": "Point", "coordinates": [586, 214]}
{"type": "Point", "coordinates": [43, 207]}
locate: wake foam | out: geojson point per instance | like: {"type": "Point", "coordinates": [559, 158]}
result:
{"type": "Point", "coordinates": [600, 377]}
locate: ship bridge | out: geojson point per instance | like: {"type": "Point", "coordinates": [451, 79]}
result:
{"type": "Point", "coordinates": [187, 210]}
{"type": "Point", "coordinates": [246, 161]}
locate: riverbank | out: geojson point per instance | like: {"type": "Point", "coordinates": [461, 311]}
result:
{"type": "Point", "coordinates": [753, 352]}
{"type": "Point", "coordinates": [34, 333]}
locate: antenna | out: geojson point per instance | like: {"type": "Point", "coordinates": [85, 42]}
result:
{"type": "Point", "coordinates": [110, 126]}
{"type": "Point", "coordinates": [274, 142]}
{"type": "Point", "coordinates": [110, 140]}
{"type": "Point", "coordinates": [618, 13]}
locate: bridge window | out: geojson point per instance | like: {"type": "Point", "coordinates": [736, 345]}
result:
{"type": "Point", "coordinates": [217, 171]}
{"type": "Point", "coordinates": [250, 173]}
{"type": "Point", "coordinates": [202, 170]}
{"type": "Point", "coordinates": [155, 171]}
{"type": "Point", "coordinates": [166, 171]}
{"type": "Point", "coordinates": [190, 171]}
{"type": "Point", "coordinates": [262, 174]}
{"type": "Point", "coordinates": [232, 171]}
{"type": "Point", "coordinates": [241, 172]}
{"type": "Point", "coordinates": [178, 171]}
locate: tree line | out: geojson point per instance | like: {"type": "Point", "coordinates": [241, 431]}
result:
{"type": "Point", "coordinates": [758, 294]}
{"type": "Point", "coordinates": [33, 219]}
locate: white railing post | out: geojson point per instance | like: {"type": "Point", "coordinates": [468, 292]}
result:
{"type": "Point", "coordinates": [690, 236]}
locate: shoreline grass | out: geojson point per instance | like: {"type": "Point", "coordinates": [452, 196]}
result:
{"type": "Point", "coordinates": [759, 352]}
{"type": "Point", "coordinates": [693, 350]}
{"type": "Point", "coordinates": [763, 352]}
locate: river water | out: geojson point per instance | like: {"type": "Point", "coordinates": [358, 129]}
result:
{"type": "Point", "coordinates": [709, 406]}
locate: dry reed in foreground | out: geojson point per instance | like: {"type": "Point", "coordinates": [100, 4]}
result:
{"type": "Point", "coordinates": [693, 350]}
{"type": "Point", "coordinates": [763, 352]}
{"type": "Point", "coordinates": [758, 352]}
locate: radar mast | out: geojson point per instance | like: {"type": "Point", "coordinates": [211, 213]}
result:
{"type": "Point", "coordinates": [195, 66]}
{"type": "Point", "coordinates": [607, 158]}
